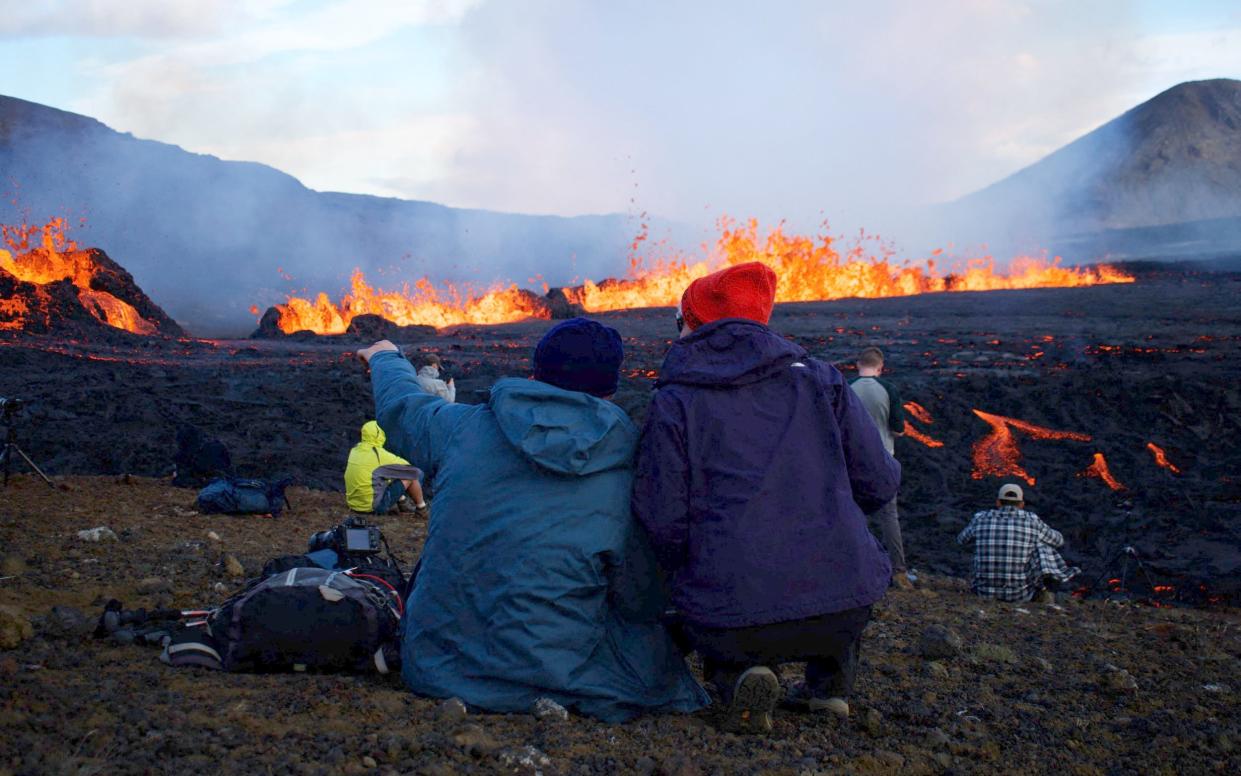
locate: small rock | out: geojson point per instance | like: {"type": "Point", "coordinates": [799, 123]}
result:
{"type": "Point", "coordinates": [220, 587]}
{"type": "Point", "coordinates": [233, 566]}
{"type": "Point", "coordinates": [524, 758]}
{"type": "Point", "coordinates": [12, 565]}
{"type": "Point", "coordinates": [14, 627]}
{"type": "Point", "coordinates": [1120, 682]}
{"type": "Point", "coordinates": [100, 534]}
{"type": "Point", "coordinates": [67, 622]}
{"type": "Point", "coordinates": [451, 710]}
{"type": "Point", "coordinates": [936, 669]}
{"type": "Point", "coordinates": [548, 709]}
{"type": "Point", "coordinates": [935, 739]}
{"type": "Point", "coordinates": [152, 585]}
{"type": "Point", "coordinates": [938, 642]}
{"type": "Point", "coordinates": [645, 766]}
{"type": "Point", "coordinates": [369, 762]}
{"type": "Point", "coordinates": [475, 741]}
{"type": "Point", "coordinates": [1218, 689]}
{"type": "Point", "coordinates": [944, 759]}
{"type": "Point", "coordinates": [184, 512]}
{"type": "Point", "coordinates": [891, 759]}
{"type": "Point", "coordinates": [1041, 664]}
{"type": "Point", "coordinates": [872, 722]}
{"type": "Point", "coordinates": [213, 536]}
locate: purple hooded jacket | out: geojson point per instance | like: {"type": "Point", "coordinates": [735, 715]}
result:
{"type": "Point", "coordinates": [754, 473]}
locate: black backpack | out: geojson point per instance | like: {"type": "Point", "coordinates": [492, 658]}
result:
{"type": "Point", "coordinates": [229, 496]}
{"type": "Point", "coordinates": [304, 619]}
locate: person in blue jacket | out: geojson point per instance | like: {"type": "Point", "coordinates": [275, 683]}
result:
{"type": "Point", "coordinates": [535, 581]}
{"type": "Point", "coordinates": [756, 469]}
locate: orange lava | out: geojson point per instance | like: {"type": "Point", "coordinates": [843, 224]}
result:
{"type": "Point", "coordinates": [809, 268]}
{"type": "Point", "coordinates": [1098, 468]}
{"type": "Point", "coordinates": [997, 454]}
{"type": "Point", "coordinates": [919, 412]}
{"type": "Point", "coordinates": [44, 254]}
{"type": "Point", "coordinates": [1161, 458]}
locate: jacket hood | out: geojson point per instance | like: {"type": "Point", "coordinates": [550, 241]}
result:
{"type": "Point", "coordinates": [372, 434]}
{"type": "Point", "coordinates": [429, 370]}
{"type": "Point", "coordinates": [565, 431]}
{"type": "Point", "coordinates": [733, 351]}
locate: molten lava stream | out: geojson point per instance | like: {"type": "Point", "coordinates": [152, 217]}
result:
{"type": "Point", "coordinates": [1098, 468]}
{"type": "Point", "coordinates": [1161, 458]}
{"type": "Point", "coordinates": [809, 269]}
{"type": "Point", "coordinates": [997, 454]}
{"type": "Point", "coordinates": [918, 411]}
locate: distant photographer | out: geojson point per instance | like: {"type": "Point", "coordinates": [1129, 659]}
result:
{"type": "Point", "coordinates": [376, 480]}
{"type": "Point", "coordinates": [431, 381]}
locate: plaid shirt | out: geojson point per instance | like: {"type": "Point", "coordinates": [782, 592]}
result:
{"type": "Point", "coordinates": [1013, 551]}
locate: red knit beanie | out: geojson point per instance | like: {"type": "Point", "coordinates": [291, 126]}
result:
{"type": "Point", "coordinates": [740, 291]}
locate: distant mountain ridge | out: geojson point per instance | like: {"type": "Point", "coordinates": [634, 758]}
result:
{"type": "Point", "coordinates": [1173, 161]}
{"type": "Point", "coordinates": [207, 238]}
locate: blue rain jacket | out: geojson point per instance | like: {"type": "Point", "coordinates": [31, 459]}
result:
{"type": "Point", "coordinates": [535, 581]}
{"type": "Point", "coordinates": [756, 466]}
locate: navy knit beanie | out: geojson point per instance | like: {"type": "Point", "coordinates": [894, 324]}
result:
{"type": "Point", "coordinates": [580, 355]}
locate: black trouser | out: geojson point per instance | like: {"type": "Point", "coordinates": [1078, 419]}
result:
{"type": "Point", "coordinates": [829, 644]}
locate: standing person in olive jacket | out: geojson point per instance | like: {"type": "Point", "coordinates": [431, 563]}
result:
{"type": "Point", "coordinates": [755, 470]}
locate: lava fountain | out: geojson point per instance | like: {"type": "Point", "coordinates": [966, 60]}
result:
{"type": "Point", "coordinates": [809, 268]}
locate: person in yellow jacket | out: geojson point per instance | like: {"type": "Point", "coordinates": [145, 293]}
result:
{"type": "Point", "coordinates": [377, 480]}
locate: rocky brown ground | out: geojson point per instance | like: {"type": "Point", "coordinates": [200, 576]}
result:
{"type": "Point", "coordinates": [1089, 688]}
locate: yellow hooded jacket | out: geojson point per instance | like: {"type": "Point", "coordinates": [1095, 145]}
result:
{"type": "Point", "coordinates": [363, 488]}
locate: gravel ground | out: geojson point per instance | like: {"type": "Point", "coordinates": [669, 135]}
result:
{"type": "Point", "coordinates": [1087, 688]}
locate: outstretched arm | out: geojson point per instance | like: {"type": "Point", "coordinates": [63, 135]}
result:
{"type": "Point", "coordinates": [418, 424]}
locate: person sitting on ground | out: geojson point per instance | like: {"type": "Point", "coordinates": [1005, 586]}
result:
{"type": "Point", "coordinates": [429, 379]}
{"type": "Point", "coordinates": [535, 581]}
{"type": "Point", "coordinates": [1014, 551]}
{"type": "Point", "coordinates": [884, 405]}
{"type": "Point", "coordinates": [199, 458]}
{"type": "Point", "coordinates": [377, 480]}
{"type": "Point", "coordinates": [756, 468]}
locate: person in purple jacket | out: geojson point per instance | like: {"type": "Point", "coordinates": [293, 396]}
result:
{"type": "Point", "coordinates": [755, 471]}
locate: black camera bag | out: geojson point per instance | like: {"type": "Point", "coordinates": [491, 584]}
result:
{"type": "Point", "coordinates": [308, 619]}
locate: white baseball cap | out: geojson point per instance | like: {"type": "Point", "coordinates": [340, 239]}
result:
{"type": "Point", "coordinates": [1011, 492]}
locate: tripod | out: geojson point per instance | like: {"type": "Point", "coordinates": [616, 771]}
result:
{"type": "Point", "coordinates": [1125, 555]}
{"type": "Point", "coordinates": [10, 449]}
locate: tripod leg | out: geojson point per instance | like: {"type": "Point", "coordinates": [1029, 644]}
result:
{"type": "Point", "coordinates": [5, 457]}
{"type": "Point", "coordinates": [32, 465]}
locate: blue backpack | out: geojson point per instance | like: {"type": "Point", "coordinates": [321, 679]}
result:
{"type": "Point", "coordinates": [230, 496]}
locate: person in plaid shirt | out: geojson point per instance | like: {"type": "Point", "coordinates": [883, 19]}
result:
{"type": "Point", "coordinates": [1014, 551]}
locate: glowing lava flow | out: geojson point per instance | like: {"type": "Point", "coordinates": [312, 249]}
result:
{"type": "Point", "coordinates": [1161, 458]}
{"type": "Point", "coordinates": [1098, 468]}
{"type": "Point", "coordinates": [997, 454]}
{"type": "Point", "coordinates": [918, 411]}
{"type": "Point", "coordinates": [44, 254]}
{"type": "Point", "coordinates": [809, 268]}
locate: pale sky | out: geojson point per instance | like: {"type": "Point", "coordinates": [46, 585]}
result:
{"type": "Point", "coordinates": [851, 111]}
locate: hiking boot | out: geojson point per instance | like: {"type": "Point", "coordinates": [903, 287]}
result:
{"type": "Point", "coordinates": [405, 505]}
{"type": "Point", "coordinates": [901, 582]}
{"type": "Point", "coordinates": [1045, 597]}
{"type": "Point", "coordinates": [801, 697]}
{"type": "Point", "coordinates": [754, 698]}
